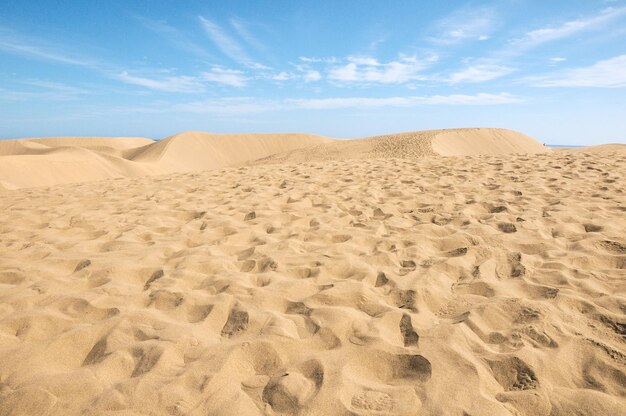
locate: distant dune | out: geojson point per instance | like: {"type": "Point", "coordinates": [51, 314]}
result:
{"type": "Point", "coordinates": [51, 161]}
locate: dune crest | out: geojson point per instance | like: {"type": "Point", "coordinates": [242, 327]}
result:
{"type": "Point", "coordinates": [51, 161]}
{"type": "Point", "coordinates": [473, 142]}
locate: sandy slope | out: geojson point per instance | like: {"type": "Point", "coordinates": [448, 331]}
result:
{"type": "Point", "coordinates": [44, 162]}
{"type": "Point", "coordinates": [482, 285]}
{"type": "Point", "coordinates": [51, 161]}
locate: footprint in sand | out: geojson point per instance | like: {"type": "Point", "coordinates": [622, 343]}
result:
{"type": "Point", "coordinates": [291, 391]}
{"type": "Point", "coordinates": [497, 209]}
{"type": "Point", "coordinates": [381, 279]}
{"type": "Point", "coordinates": [592, 228]}
{"type": "Point", "coordinates": [165, 300]}
{"type": "Point", "coordinates": [146, 359]}
{"type": "Point", "coordinates": [507, 227]}
{"type": "Point", "coordinates": [513, 374]}
{"type": "Point", "coordinates": [381, 383]}
{"type": "Point", "coordinates": [154, 277]}
{"type": "Point", "coordinates": [82, 264]}
{"type": "Point", "coordinates": [97, 352]}
{"type": "Point", "coordinates": [405, 299]}
{"type": "Point", "coordinates": [236, 323]}
{"type": "Point", "coordinates": [457, 252]}
{"type": "Point", "coordinates": [198, 313]}
{"type": "Point", "coordinates": [612, 246]}
{"type": "Point", "coordinates": [409, 335]}
{"type": "Point", "coordinates": [341, 238]}
{"type": "Point", "coordinates": [517, 268]}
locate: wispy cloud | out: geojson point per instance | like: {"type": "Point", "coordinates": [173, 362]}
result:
{"type": "Point", "coordinates": [610, 73]}
{"type": "Point", "coordinates": [41, 89]}
{"type": "Point", "coordinates": [35, 49]}
{"type": "Point", "coordinates": [228, 106]}
{"type": "Point", "coordinates": [228, 45]}
{"type": "Point", "coordinates": [187, 84]}
{"type": "Point", "coordinates": [364, 69]}
{"type": "Point", "coordinates": [231, 77]}
{"type": "Point", "coordinates": [466, 24]}
{"type": "Point", "coordinates": [174, 36]}
{"type": "Point", "coordinates": [480, 73]}
{"type": "Point", "coordinates": [244, 105]}
{"type": "Point", "coordinates": [55, 86]}
{"type": "Point", "coordinates": [365, 102]}
{"type": "Point", "coordinates": [244, 33]}
{"type": "Point", "coordinates": [540, 36]}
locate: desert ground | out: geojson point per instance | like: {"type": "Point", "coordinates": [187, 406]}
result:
{"type": "Point", "coordinates": [449, 272]}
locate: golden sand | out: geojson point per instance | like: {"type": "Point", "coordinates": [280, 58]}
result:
{"type": "Point", "coordinates": [335, 278]}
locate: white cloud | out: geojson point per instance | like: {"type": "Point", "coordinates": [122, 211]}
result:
{"type": "Point", "coordinates": [169, 84]}
{"type": "Point", "coordinates": [557, 59]}
{"type": "Point", "coordinates": [475, 23]}
{"type": "Point", "coordinates": [311, 76]}
{"type": "Point", "coordinates": [305, 74]}
{"type": "Point", "coordinates": [282, 76]}
{"type": "Point", "coordinates": [256, 65]}
{"type": "Point", "coordinates": [567, 29]}
{"type": "Point", "coordinates": [610, 73]}
{"type": "Point", "coordinates": [330, 60]}
{"type": "Point", "coordinates": [366, 102]}
{"type": "Point", "coordinates": [245, 105]}
{"type": "Point", "coordinates": [363, 60]}
{"type": "Point", "coordinates": [231, 77]}
{"type": "Point", "coordinates": [360, 69]}
{"type": "Point", "coordinates": [480, 73]}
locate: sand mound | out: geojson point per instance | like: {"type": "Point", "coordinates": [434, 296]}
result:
{"type": "Point", "coordinates": [51, 161]}
{"type": "Point", "coordinates": [603, 148]}
{"type": "Point", "coordinates": [43, 145]}
{"type": "Point", "coordinates": [450, 142]}
{"type": "Point", "coordinates": [471, 285]}
{"type": "Point", "coordinates": [470, 142]}
{"type": "Point", "coordinates": [195, 151]}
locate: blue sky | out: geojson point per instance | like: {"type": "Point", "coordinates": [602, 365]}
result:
{"type": "Point", "coordinates": [553, 69]}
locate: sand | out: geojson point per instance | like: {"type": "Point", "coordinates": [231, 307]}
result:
{"type": "Point", "coordinates": [340, 280]}
{"type": "Point", "coordinates": [27, 163]}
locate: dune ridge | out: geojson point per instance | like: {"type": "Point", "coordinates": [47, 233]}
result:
{"type": "Point", "coordinates": [51, 161]}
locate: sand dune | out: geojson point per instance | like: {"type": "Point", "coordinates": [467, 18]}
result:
{"type": "Point", "coordinates": [449, 142]}
{"type": "Point", "coordinates": [469, 142]}
{"type": "Point", "coordinates": [474, 285]}
{"type": "Point", "coordinates": [51, 161]}
{"type": "Point", "coordinates": [194, 151]}
{"type": "Point", "coordinates": [603, 148]}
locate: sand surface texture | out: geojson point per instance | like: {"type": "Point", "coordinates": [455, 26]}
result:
{"type": "Point", "coordinates": [367, 284]}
